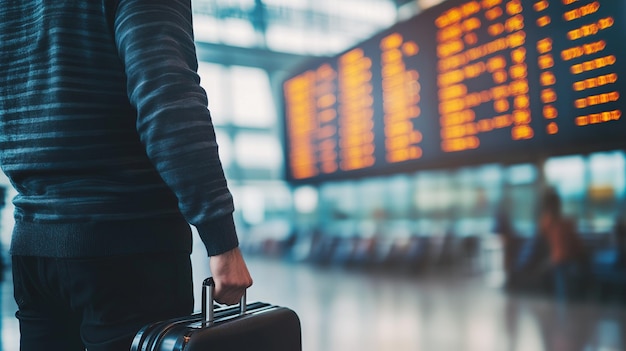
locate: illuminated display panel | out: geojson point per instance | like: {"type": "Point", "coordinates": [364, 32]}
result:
{"type": "Point", "coordinates": [464, 82]}
{"type": "Point", "coordinates": [482, 81]}
{"type": "Point", "coordinates": [579, 54]}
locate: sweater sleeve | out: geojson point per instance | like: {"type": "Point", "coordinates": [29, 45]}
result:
{"type": "Point", "coordinates": [155, 42]}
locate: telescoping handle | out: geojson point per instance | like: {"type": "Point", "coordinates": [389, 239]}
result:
{"type": "Point", "coordinates": [208, 290]}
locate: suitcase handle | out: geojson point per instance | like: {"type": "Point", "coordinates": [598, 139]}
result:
{"type": "Point", "coordinates": [207, 294]}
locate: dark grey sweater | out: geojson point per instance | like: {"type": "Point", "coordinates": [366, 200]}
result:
{"type": "Point", "coordinates": [105, 131]}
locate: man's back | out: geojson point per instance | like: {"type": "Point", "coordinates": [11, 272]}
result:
{"type": "Point", "coordinates": [102, 118]}
{"type": "Point", "coordinates": [69, 142]}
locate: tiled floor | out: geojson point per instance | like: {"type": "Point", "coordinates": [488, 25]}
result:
{"type": "Point", "coordinates": [345, 310]}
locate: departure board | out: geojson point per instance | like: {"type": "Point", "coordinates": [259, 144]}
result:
{"type": "Point", "coordinates": [462, 83]}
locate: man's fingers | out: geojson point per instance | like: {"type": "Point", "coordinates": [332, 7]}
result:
{"type": "Point", "coordinates": [230, 289]}
{"type": "Point", "coordinates": [231, 276]}
{"type": "Point", "coordinates": [229, 295]}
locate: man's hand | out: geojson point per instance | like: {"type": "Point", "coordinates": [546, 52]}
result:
{"type": "Point", "coordinates": [231, 276]}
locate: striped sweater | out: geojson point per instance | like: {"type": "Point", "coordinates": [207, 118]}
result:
{"type": "Point", "coordinates": [105, 131]}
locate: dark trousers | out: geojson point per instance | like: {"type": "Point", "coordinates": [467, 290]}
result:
{"type": "Point", "coordinates": [97, 304]}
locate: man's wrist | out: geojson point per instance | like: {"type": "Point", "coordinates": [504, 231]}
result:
{"type": "Point", "coordinates": [219, 236]}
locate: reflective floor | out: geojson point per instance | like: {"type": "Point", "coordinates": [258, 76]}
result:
{"type": "Point", "coordinates": [345, 310]}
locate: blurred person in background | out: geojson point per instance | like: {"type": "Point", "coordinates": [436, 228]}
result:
{"type": "Point", "coordinates": [566, 253]}
{"type": "Point", "coordinates": [106, 136]}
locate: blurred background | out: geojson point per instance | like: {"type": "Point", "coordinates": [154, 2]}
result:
{"type": "Point", "coordinates": [427, 259]}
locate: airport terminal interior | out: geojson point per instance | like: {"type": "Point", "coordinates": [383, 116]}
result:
{"type": "Point", "coordinates": [389, 160]}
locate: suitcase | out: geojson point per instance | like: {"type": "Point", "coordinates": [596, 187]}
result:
{"type": "Point", "coordinates": [257, 326]}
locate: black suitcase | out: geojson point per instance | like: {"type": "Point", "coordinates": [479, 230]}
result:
{"type": "Point", "coordinates": [257, 326]}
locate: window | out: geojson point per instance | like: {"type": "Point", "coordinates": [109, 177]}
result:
{"type": "Point", "coordinates": [237, 32]}
{"type": "Point", "coordinates": [607, 173]}
{"type": "Point", "coordinates": [305, 199]}
{"type": "Point", "coordinates": [567, 175]}
{"type": "Point", "coordinates": [258, 151]}
{"type": "Point", "coordinates": [312, 41]}
{"type": "Point", "coordinates": [605, 191]}
{"type": "Point", "coordinates": [521, 174]}
{"type": "Point", "coordinates": [253, 105]}
{"type": "Point", "coordinates": [213, 79]}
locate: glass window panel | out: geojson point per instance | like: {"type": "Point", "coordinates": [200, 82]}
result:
{"type": "Point", "coordinates": [434, 191]}
{"type": "Point", "coordinates": [206, 28]}
{"type": "Point", "coordinates": [475, 198]}
{"type": "Point", "coordinates": [295, 4]}
{"type": "Point", "coordinates": [607, 169]}
{"type": "Point", "coordinates": [520, 197]}
{"type": "Point", "coordinates": [490, 175]}
{"type": "Point", "coordinates": [523, 208]}
{"type": "Point", "coordinates": [567, 175]}
{"type": "Point", "coordinates": [286, 39]}
{"type": "Point", "coordinates": [238, 32]}
{"type": "Point", "coordinates": [305, 199]}
{"type": "Point", "coordinates": [278, 197]}
{"type": "Point", "coordinates": [489, 181]}
{"type": "Point", "coordinates": [231, 3]}
{"type": "Point", "coordinates": [257, 151]}
{"type": "Point", "coordinates": [253, 104]}
{"type": "Point", "coordinates": [305, 40]}
{"type": "Point", "coordinates": [465, 194]}
{"type": "Point", "coordinates": [379, 13]}
{"type": "Point", "coordinates": [242, 4]}
{"type": "Point", "coordinates": [372, 198]}
{"type": "Point", "coordinates": [398, 197]}
{"type": "Point", "coordinates": [266, 207]}
{"type": "Point", "coordinates": [338, 207]}
{"type": "Point", "coordinates": [340, 199]}
{"type": "Point", "coordinates": [251, 202]}
{"type": "Point", "coordinates": [212, 80]}
{"type": "Point", "coordinates": [521, 174]}
{"type": "Point", "coordinates": [606, 189]}
{"type": "Point", "coordinates": [425, 185]}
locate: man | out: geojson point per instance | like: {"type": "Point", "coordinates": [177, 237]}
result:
{"type": "Point", "coordinates": [106, 136]}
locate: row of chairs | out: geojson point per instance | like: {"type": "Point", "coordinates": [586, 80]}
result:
{"type": "Point", "coordinates": [413, 253]}
{"type": "Point", "coordinates": [479, 254]}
